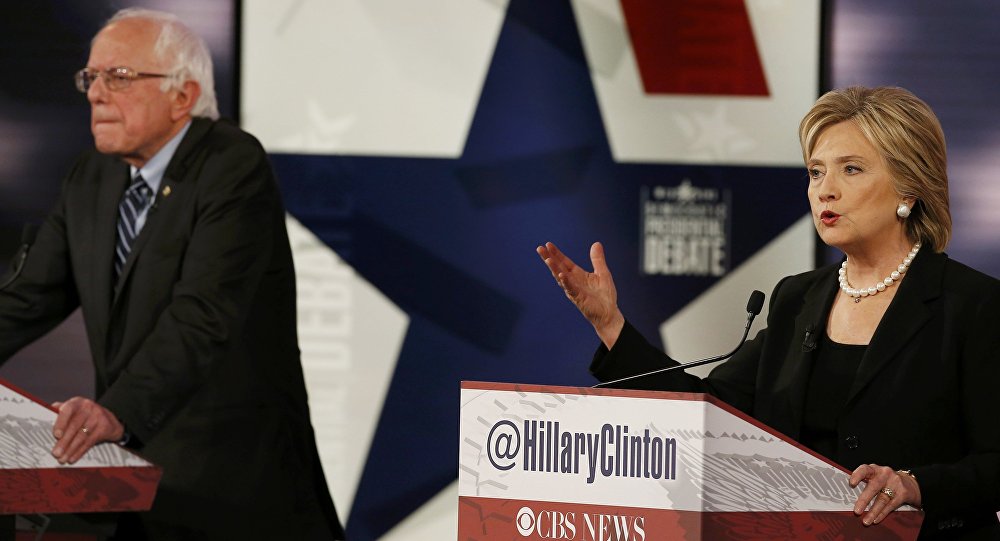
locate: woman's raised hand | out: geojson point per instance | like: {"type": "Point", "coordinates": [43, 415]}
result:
{"type": "Point", "coordinates": [593, 293]}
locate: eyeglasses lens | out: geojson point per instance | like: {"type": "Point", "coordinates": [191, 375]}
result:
{"type": "Point", "coordinates": [84, 78]}
{"type": "Point", "coordinates": [114, 78]}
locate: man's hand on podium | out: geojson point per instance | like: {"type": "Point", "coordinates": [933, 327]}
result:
{"type": "Point", "coordinates": [81, 424]}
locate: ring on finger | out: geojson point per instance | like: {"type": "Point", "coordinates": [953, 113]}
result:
{"type": "Point", "coordinates": [889, 492]}
{"type": "Point", "coordinates": [85, 430]}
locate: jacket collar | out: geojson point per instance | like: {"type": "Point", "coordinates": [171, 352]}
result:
{"type": "Point", "coordinates": [810, 326]}
{"type": "Point", "coordinates": [904, 317]}
{"type": "Point", "coordinates": [175, 173]}
{"type": "Point", "coordinates": [186, 150]}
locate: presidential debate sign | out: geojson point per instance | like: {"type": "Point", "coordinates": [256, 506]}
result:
{"type": "Point", "coordinates": [588, 464]}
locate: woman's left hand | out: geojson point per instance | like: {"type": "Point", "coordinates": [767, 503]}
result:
{"type": "Point", "coordinates": [885, 491]}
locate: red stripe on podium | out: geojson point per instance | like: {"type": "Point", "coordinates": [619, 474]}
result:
{"type": "Point", "coordinates": [489, 519]}
{"type": "Point", "coordinates": [77, 490]}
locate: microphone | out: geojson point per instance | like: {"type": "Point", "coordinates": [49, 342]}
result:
{"type": "Point", "coordinates": [754, 306]}
{"type": "Point", "coordinates": [27, 239]}
{"type": "Point", "coordinates": [809, 342]}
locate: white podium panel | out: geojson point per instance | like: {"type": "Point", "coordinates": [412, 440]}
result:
{"type": "Point", "coordinates": [601, 464]}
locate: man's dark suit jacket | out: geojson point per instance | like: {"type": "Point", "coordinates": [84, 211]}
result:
{"type": "Point", "coordinates": [926, 396]}
{"type": "Point", "coordinates": [195, 346]}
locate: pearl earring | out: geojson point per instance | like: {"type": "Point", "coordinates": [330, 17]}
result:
{"type": "Point", "coordinates": [903, 211]}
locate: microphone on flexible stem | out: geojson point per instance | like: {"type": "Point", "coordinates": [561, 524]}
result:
{"type": "Point", "coordinates": [754, 306]}
{"type": "Point", "coordinates": [27, 239]}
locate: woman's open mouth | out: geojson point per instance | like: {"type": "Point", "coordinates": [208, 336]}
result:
{"type": "Point", "coordinates": [828, 217]}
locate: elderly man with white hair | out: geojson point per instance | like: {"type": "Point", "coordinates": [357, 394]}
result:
{"type": "Point", "coordinates": [171, 238]}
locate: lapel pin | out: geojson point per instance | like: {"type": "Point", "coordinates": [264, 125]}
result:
{"type": "Point", "coordinates": [166, 191]}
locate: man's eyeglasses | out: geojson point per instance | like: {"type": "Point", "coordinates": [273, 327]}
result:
{"type": "Point", "coordinates": [118, 78]}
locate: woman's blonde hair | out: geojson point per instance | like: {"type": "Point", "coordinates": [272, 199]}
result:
{"type": "Point", "coordinates": [908, 135]}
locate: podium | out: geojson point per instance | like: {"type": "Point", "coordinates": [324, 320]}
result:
{"type": "Point", "coordinates": [584, 464]}
{"type": "Point", "coordinates": [108, 478]}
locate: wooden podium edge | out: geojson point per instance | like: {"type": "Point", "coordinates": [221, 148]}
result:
{"type": "Point", "coordinates": [143, 479]}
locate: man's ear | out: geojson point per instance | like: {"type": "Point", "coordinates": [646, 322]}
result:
{"type": "Point", "coordinates": [183, 99]}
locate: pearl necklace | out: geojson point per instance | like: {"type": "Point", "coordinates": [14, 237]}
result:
{"type": "Point", "coordinates": [880, 286]}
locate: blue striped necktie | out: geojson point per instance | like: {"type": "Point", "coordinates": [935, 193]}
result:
{"type": "Point", "coordinates": [136, 199]}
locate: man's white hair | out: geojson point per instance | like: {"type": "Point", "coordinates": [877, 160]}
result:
{"type": "Point", "coordinates": [183, 52]}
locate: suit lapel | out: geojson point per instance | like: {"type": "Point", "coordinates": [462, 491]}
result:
{"type": "Point", "coordinates": [906, 314]}
{"type": "Point", "coordinates": [810, 325]}
{"type": "Point", "coordinates": [112, 179]}
{"type": "Point", "coordinates": [110, 188]}
{"type": "Point", "coordinates": [162, 200]}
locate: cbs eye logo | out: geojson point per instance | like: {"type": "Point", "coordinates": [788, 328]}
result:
{"type": "Point", "coordinates": [546, 524]}
{"type": "Point", "coordinates": [525, 521]}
